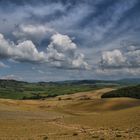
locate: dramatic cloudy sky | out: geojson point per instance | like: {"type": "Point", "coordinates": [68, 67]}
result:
{"type": "Point", "coordinates": [51, 40]}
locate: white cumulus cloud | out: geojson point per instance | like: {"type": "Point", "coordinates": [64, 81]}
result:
{"type": "Point", "coordinates": [24, 51]}
{"type": "Point", "coordinates": [35, 32]}
{"type": "Point", "coordinates": [113, 58]}
{"type": "Point", "coordinates": [62, 52]}
{"type": "Point", "coordinates": [128, 57]}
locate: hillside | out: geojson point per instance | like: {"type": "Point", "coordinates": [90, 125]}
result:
{"type": "Point", "coordinates": [130, 91]}
{"type": "Point", "coordinates": [11, 89]}
{"type": "Point", "coordinates": [79, 116]}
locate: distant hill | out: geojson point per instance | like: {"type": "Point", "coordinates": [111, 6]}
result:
{"type": "Point", "coordinates": [12, 89]}
{"type": "Point", "coordinates": [122, 82]}
{"type": "Point", "coordinates": [130, 91]}
{"type": "Point", "coordinates": [11, 83]}
{"type": "Point", "coordinates": [129, 81]}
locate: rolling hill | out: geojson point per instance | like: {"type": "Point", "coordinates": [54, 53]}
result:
{"type": "Point", "coordinates": [12, 89]}
{"type": "Point", "coordinates": [130, 91]}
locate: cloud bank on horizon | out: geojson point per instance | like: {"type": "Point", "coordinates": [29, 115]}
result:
{"type": "Point", "coordinates": [66, 39]}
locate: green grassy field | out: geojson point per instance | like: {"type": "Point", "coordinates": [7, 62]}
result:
{"type": "Point", "coordinates": [10, 89]}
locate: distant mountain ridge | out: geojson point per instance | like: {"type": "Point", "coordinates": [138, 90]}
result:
{"type": "Point", "coordinates": [121, 81]}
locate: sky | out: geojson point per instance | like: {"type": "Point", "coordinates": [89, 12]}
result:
{"type": "Point", "coordinates": [56, 40]}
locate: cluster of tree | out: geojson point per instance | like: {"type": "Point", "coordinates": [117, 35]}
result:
{"type": "Point", "coordinates": [130, 91]}
{"type": "Point", "coordinates": [37, 96]}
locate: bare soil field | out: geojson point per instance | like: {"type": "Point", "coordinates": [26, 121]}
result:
{"type": "Point", "coordinates": [80, 116]}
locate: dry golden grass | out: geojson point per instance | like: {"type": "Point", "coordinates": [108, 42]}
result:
{"type": "Point", "coordinates": [81, 116]}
